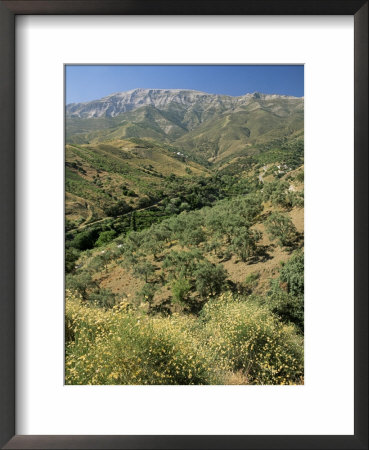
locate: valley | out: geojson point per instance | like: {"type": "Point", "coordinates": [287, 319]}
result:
{"type": "Point", "coordinates": [184, 239]}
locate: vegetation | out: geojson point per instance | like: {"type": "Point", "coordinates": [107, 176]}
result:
{"type": "Point", "coordinates": [184, 246]}
{"type": "Point", "coordinates": [281, 228]}
{"type": "Point", "coordinates": [121, 346]}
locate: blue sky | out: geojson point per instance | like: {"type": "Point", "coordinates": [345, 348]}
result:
{"type": "Point", "coordinates": [85, 83]}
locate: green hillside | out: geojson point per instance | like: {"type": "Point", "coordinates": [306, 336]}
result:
{"type": "Point", "coordinates": [238, 132]}
{"type": "Point", "coordinates": [101, 175]}
{"type": "Point", "coordinates": [207, 132]}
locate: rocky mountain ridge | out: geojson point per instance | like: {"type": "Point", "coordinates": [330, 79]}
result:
{"type": "Point", "coordinates": [167, 99]}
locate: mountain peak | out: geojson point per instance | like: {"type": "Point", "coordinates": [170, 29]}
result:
{"type": "Point", "coordinates": [121, 102]}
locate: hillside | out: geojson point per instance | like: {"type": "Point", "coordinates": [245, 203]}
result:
{"type": "Point", "coordinates": [206, 126]}
{"type": "Point", "coordinates": [130, 142]}
{"type": "Point", "coordinates": [102, 175]}
{"type": "Point", "coordinates": [184, 239]}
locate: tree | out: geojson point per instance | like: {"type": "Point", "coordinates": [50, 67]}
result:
{"type": "Point", "coordinates": [287, 293]}
{"type": "Point", "coordinates": [143, 269]}
{"type": "Point", "coordinates": [222, 221]}
{"type": "Point", "coordinates": [280, 228]}
{"type": "Point", "coordinates": [118, 209]}
{"type": "Point", "coordinates": [300, 177]}
{"type": "Point", "coordinates": [292, 273]}
{"type": "Point", "coordinates": [247, 207]}
{"type": "Point", "coordinates": [182, 264]}
{"type": "Point", "coordinates": [105, 237]}
{"type": "Point", "coordinates": [80, 283]}
{"type": "Point", "coordinates": [153, 241]}
{"type": "Point", "coordinates": [184, 206]}
{"type": "Point", "coordinates": [132, 222]}
{"type": "Point", "coordinates": [180, 290]}
{"type": "Point", "coordinates": [101, 261]}
{"type": "Point", "coordinates": [131, 259]}
{"type": "Point", "coordinates": [244, 242]}
{"type": "Point", "coordinates": [163, 231]}
{"type": "Point", "coordinates": [105, 257]}
{"type": "Point", "coordinates": [85, 240]}
{"type": "Point", "coordinates": [144, 202]}
{"type": "Point", "coordinates": [279, 197]}
{"type": "Point", "coordinates": [184, 222]}
{"type": "Point", "coordinates": [104, 298]}
{"type": "Point", "coordinates": [209, 278]}
{"type": "Point", "coordinates": [134, 240]}
{"type": "Point", "coordinates": [192, 236]}
{"type": "Point", "coordinates": [277, 192]}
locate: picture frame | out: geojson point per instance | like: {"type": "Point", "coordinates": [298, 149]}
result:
{"type": "Point", "coordinates": [8, 12]}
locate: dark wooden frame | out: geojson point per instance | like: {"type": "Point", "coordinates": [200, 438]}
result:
{"type": "Point", "coordinates": [8, 11]}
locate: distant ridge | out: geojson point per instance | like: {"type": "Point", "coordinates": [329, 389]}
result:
{"type": "Point", "coordinates": [121, 102]}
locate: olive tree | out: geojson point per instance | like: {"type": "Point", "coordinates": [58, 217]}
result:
{"type": "Point", "coordinates": [244, 242]}
{"type": "Point", "coordinates": [280, 227]}
{"type": "Point", "coordinates": [144, 269]}
{"type": "Point", "coordinates": [209, 278]}
{"type": "Point", "coordinates": [80, 283]}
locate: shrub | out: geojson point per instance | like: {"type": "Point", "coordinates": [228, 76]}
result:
{"type": "Point", "coordinates": [85, 240]}
{"type": "Point", "coordinates": [71, 256]}
{"type": "Point", "coordinates": [251, 282]}
{"type": "Point", "coordinates": [287, 293]}
{"type": "Point", "coordinates": [121, 347]}
{"type": "Point", "coordinates": [230, 338]}
{"type": "Point", "coordinates": [300, 177]}
{"type": "Point", "coordinates": [118, 209]}
{"type": "Point", "coordinates": [290, 309]}
{"type": "Point", "coordinates": [105, 237]}
{"type": "Point", "coordinates": [247, 337]}
{"type": "Point", "coordinates": [147, 293]}
{"type": "Point", "coordinates": [104, 298]}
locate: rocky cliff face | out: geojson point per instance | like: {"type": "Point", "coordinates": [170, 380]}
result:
{"type": "Point", "coordinates": [176, 99]}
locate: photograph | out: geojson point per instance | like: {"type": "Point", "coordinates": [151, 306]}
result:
{"type": "Point", "coordinates": [156, 288]}
{"type": "Point", "coordinates": [184, 224]}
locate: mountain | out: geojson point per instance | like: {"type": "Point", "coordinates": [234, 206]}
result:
{"type": "Point", "coordinates": [187, 102]}
{"type": "Point", "coordinates": [206, 126]}
{"type": "Point", "coordinates": [121, 102]}
{"type": "Point", "coordinates": [133, 141]}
